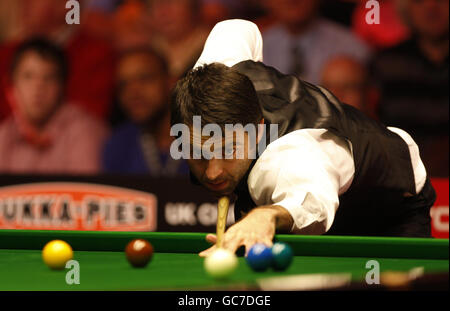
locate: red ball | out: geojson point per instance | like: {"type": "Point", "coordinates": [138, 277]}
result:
{"type": "Point", "coordinates": [139, 252]}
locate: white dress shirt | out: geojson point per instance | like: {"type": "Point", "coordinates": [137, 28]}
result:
{"type": "Point", "coordinates": [232, 41]}
{"type": "Point", "coordinates": [304, 171]}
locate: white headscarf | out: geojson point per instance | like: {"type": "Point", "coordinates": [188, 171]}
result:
{"type": "Point", "coordinates": [232, 41]}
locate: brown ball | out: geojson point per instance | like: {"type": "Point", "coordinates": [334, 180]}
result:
{"type": "Point", "coordinates": [139, 252]}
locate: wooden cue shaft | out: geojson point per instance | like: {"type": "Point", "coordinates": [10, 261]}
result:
{"type": "Point", "coordinates": [222, 212]}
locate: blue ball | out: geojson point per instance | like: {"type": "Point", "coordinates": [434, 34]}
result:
{"type": "Point", "coordinates": [259, 257]}
{"type": "Point", "coordinates": [282, 256]}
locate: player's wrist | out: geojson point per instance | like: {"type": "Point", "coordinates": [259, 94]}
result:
{"type": "Point", "coordinates": [278, 215]}
{"type": "Point", "coordinates": [284, 220]}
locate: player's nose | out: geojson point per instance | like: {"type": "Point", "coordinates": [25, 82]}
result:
{"type": "Point", "coordinates": [214, 169]}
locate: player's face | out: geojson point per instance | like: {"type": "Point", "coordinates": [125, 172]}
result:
{"type": "Point", "coordinates": [37, 88]}
{"type": "Point", "coordinates": [429, 17]}
{"type": "Point", "coordinates": [143, 88]}
{"type": "Point", "coordinates": [221, 176]}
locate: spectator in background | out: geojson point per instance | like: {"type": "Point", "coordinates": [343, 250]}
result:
{"type": "Point", "coordinates": [132, 26]}
{"type": "Point", "coordinates": [179, 34]}
{"type": "Point", "coordinates": [141, 146]}
{"type": "Point", "coordinates": [348, 80]}
{"type": "Point", "coordinates": [214, 11]}
{"type": "Point", "coordinates": [97, 18]}
{"type": "Point", "coordinates": [413, 80]}
{"type": "Point", "coordinates": [46, 134]}
{"type": "Point", "coordinates": [300, 42]}
{"type": "Point", "coordinates": [8, 19]}
{"type": "Point", "coordinates": [9, 22]}
{"type": "Point", "coordinates": [390, 31]}
{"type": "Point", "coordinates": [91, 60]}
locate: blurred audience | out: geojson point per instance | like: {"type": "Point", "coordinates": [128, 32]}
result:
{"type": "Point", "coordinates": [97, 18]}
{"type": "Point", "coordinates": [301, 42]}
{"type": "Point", "coordinates": [413, 79]}
{"type": "Point", "coordinates": [141, 145]}
{"type": "Point", "coordinates": [178, 32]}
{"type": "Point", "coordinates": [410, 71]}
{"type": "Point", "coordinates": [45, 133]}
{"type": "Point", "coordinates": [214, 11]}
{"type": "Point", "coordinates": [91, 60]}
{"type": "Point", "coordinates": [340, 11]}
{"type": "Point", "coordinates": [102, 5]}
{"type": "Point", "coordinates": [390, 31]}
{"type": "Point", "coordinates": [348, 80]}
{"type": "Point", "coordinates": [247, 9]}
{"type": "Point", "coordinates": [9, 22]}
{"type": "Point", "coordinates": [132, 26]}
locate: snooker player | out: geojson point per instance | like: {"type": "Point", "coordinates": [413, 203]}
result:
{"type": "Point", "coordinates": [332, 170]}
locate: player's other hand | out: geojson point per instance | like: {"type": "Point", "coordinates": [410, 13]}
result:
{"type": "Point", "coordinates": [257, 227]}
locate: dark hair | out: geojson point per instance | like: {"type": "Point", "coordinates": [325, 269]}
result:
{"type": "Point", "coordinates": [45, 49]}
{"type": "Point", "coordinates": [218, 94]}
{"type": "Point", "coordinates": [160, 59]}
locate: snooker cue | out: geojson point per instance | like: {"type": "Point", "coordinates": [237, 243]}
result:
{"type": "Point", "coordinates": [222, 212]}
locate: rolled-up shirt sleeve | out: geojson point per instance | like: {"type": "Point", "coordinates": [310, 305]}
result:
{"type": "Point", "coordinates": [304, 172]}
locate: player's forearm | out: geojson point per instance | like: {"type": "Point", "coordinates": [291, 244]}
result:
{"type": "Point", "coordinates": [282, 218]}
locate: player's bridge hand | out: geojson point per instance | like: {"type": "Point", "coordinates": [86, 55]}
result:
{"type": "Point", "coordinates": [210, 238]}
{"type": "Point", "coordinates": [257, 227]}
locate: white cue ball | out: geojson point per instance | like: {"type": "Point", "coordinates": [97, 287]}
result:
{"type": "Point", "coordinates": [221, 263]}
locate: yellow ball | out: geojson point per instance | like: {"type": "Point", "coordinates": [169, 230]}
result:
{"type": "Point", "coordinates": [56, 253]}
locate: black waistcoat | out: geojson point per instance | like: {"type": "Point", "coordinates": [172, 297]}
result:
{"type": "Point", "coordinates": [375, 202]}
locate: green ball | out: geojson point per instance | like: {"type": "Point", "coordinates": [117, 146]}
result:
{"type": "Point", "coordinates": [282, 256]}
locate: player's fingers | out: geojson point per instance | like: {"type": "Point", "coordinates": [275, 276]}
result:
{"type": "Point", "coordinates": [207, 252]}
{"type": "Point", "coordinates": [211, 238]}
{"type": "Point", "coordinates": [232, 247]}
{"type": "Point", "coordinates": [232, 243]}
{"type": "Point", "coordinates": [248, 244]}
{"type": "Point", "coordinates": [267, 241]}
